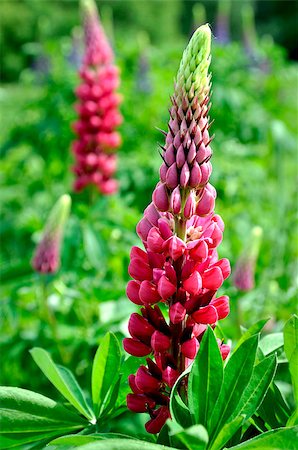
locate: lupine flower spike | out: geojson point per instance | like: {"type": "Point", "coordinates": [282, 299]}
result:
{"type": "Point", "coordinates": [97, 141]}
{"type": "Point", "coordinates": [179, 265]}
{"type": "Point", "coordinates": [244, 274]}
{"type": "Point", "coordinates": [47, 254]}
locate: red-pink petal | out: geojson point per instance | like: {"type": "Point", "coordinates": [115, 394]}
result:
{"type": "Point", "coordinates": [160, 342]}
{"type": "Point", "coordinates": [212, 278]}
{"type": "Point", "coordinates": [190, 347]}
{"type": "Point", "coordinates": [222, 306]}
{"type": "Point", "coordinates": [206, 314]}
{"type": "Point", "coordinates": [165, 288]}
{"type": "Point", "coordinates": [177, 313]}
{"type": "Point", "coordinates": [136, 348]}
{"type": "Point", "coordinates": [193, 284]}
{"type": "Point", "coordinates": [148, 293]}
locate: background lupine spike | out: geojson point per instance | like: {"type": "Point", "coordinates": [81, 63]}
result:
{"type": "Point", "coordinates": [98, 109]}
{"type": "Point", "coordinates": [180, 233]}
{"type": "Point", "coordinates": [244, 274]}
{"type": "Point", "coordinates": [47, 254]}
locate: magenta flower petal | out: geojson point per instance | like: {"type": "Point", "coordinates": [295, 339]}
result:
{"type": "Point", "coordinates": [177, 313]}
{"type": "Point", "coordinates": [206, 315]}
{"type": "Point", "coordinates": [135, 347]}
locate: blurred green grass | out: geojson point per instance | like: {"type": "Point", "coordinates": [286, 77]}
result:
{"type": "Point", "coordinates": [254, 105]}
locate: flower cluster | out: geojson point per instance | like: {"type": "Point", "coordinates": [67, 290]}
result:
{"type": "Point", "coordinates": [97, 141]}
{"type": "Point", "coordinates": [180, 233]}
{"type": "Point", "coordinates": [47, 254]}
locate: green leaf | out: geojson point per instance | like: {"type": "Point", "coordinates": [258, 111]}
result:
{"type": "Point", "coordinates": [115, 444]}
{"type": "Point", "coordinates": [26, 417]}
{"type": "Point", "coordinates": [12, 440]}
{"type": "Point", "coordinates": [94, 248]}
{"type": "Point", "coordinates": [252, 331]}
{"type": "Point", "coordinates": [205, 379]}
{"type": "Point", "coordinates": [293, 420]}
{"type": "Point", "coordinates": [291, 350]}
{"type": "Point", "coordinates": [105, 370]}
{"type": "Point", "coordinates": [192, 438]}
{"type": "Point", "coordinates": [129, 366]}
{"type": "Point", "coordinates": [63, 380]}
{"type": "Point", "coordinates": [226, 433]}
{"type": "Point", "coordinates": [279, 439]}
{"type": "Point", "coordinates": [77, 440]}
{"type": "Point", "coordinates": [274, 409]}
{"type": "Point", "coordinates": [271, 343]}
{"type": "Point", "coordinates": [178, 409]}
{"type": "Point", "coordinates": [237, 374]}
{"type": "Point", "coordinates": [254, 393]}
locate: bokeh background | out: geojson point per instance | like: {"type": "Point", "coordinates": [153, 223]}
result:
{"type": "Point", "coordinates": [254, 107]}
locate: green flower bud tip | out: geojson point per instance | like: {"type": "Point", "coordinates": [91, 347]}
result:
{"type": "Point", "coordinates": [58, 216]}
{"type": "Point", "coordinates": [192, 76]}
{"type": "Point", "coordinates": [88, 6]}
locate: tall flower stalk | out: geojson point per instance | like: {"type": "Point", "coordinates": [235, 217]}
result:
{"type": "Point", "coordinates": [179, 267]}
{"type": "Point", "coordinates": [97, 107]}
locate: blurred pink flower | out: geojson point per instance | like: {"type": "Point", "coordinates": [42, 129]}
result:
{"type": "Point", "coordinates": [97, 107]}
{"type": "Point", "coordinates": [46, 258]}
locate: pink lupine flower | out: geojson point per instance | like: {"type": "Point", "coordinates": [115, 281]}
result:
{"type": "Point", "coordinates": [47, 254]}
{"type": "Point", "coordinates": [97, 107]}
{"type": "Point", "coordinates": [244, 274]}
{"type": "Point", "coordinates": [180, 233]}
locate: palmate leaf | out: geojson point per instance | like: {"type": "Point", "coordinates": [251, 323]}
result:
{"type": "Point", "coordinates": [105, 371]}
{"type": "Point", "coordinates": [237, 374]}
{"type": "Point", "coordinates": [26, 416]}
{"type": "Point", "coordinates": [205, 379]}
{"type": "Point", "coordinates": [279, 439]}
{"type": "Point", "coordinates": [63, 380]}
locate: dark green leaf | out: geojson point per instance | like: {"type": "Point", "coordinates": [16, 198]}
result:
{"type": "Point", "coordinates": [279, 439]}
{"type": "Point", "coordinates": [105, 370]}
{"type": "Point", "coordinates": [274, 409]}
{"type": "Point", "coordinates": [63, 380]}
{"type": "Point", "coordinates": [237, 374]}
{"type": "Point", "coordinates": [205, 379]}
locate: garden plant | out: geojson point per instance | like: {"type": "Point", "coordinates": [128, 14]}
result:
{"type": "Point", "coordinates": [156, 368]}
